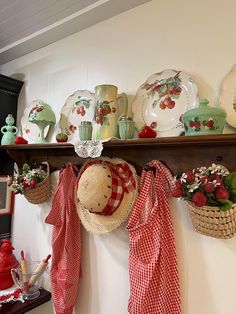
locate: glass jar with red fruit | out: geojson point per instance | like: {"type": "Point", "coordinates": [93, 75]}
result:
{"type": "Point", "coordinates": [204, 120]}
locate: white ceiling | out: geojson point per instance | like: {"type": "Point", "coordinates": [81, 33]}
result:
{"type": "Point", "coordinates": [27, 25]}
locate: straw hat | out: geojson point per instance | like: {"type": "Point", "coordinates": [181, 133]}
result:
{"type": "Point", "coordinates": [107, 189]}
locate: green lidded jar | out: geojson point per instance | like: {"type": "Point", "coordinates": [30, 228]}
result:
{"type": "Point", "coordinates": [204, 120]}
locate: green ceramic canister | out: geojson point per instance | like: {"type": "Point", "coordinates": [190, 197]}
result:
{"type": "Point", "coordinates": [204, 120]}
{"type": "Point", "coordinates": [126, 128]}
{"type": "Point", "coordinates": [85, 131]}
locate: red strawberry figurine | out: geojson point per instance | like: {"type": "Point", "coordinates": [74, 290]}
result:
{"type": "Point", "coordinates": [177, 192]}
{"type": "Point", "coordinates": [190, 177]}
{"type": "Point", "coordinates": [61, 138]}
{"type": "Point", "coordinates": [221, 193]}
{"type": "Point", "coordinates": [32, 184]}
{"type": "Point", "coordinates": [199, 199]}
{"type": "Point", "coordinates": [179, 185]}
{"type": "Point", "coordinates": [20, 140]}
{"type": "Point", "coordinates": [147, 132]}
{"type": "Point", "coordinates": [205, 179]}
{"type": "Point", "coordinates": [209, 187]}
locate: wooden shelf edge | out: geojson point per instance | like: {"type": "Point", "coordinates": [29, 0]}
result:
{"type": "Point", "coordinates": [178, 153]}
{"type": "Point", "coordinates": [167, 141]}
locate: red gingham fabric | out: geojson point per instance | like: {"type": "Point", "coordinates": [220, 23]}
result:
{"type": "Point", "coordinates": [154, 283]}
{"type": "Point", "coordinates": [117, 194]}
{"type": "Point", "coordinates": [66, 244]}
{"type": "Point", "coordinates": [122, 181]}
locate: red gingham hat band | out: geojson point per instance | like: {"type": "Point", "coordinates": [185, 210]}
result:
{"type": "Point", "coordinates": [123, 181]}
{"type": "Point", "coordinates": [117, 194]}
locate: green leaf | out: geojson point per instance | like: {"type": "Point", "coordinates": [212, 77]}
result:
{"type": "Point", "coordinates": [163, 89]}
{"type": "Point", "coordinates": [106, 107]}
{"type": "Point", "coordinates": [105, 102]}
{"type": "Point", "coordinates": [171, 86]}
{"type": "Point", "coordinates": [175, 96]}
{"type": "Point", "coordinates": [225, 205]}
{"type": "Point", "coordinates": [154, 103]}
{"type": "Point", "coordinates": [86, 103]}
{"type": "Point", "coordinates": [170, 80]}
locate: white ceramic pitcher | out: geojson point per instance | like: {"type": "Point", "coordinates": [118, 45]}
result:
{"type": "Point", "coordinates": [109, 107]}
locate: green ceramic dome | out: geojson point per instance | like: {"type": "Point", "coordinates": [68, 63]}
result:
{"type": "Point", "coordinates": [42, 115]}
{"type": "Point", "coordinates": [42, 112]}
{"type": "Point", "coordinates": [204, 120]}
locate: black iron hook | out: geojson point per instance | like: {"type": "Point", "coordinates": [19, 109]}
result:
{"type": "Point", "coordinates": [149, 168]}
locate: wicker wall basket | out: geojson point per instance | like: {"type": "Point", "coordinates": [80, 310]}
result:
{"type": "Point", "coordinates": [213, 222]}
{"type": "Point", "coordinates": [42, 192]}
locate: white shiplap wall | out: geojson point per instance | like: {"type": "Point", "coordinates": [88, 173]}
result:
{"type": "Point", "coordinates": [193, 36]}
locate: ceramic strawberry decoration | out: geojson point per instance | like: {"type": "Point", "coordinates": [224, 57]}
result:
{"type": "Point", "coordinates": [20, 140]}
{"type": "Point", "coordinates": [147, 132]}
{"type": "Point", "coordinates": [61, 138]}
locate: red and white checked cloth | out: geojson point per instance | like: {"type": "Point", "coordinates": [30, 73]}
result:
{"type": "Point", "coordinates": [65, 269]}
{"type": "Point", "coordinates": [154, 283]}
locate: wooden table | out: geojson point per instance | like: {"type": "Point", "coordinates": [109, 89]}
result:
{"type": "Point", "coordinates": [20, 308]}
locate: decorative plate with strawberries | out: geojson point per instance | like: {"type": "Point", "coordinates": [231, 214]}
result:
{"type": "Point", "coordinates": [79, 106]}
{"type": "Point", "coordinates": [162, 100]}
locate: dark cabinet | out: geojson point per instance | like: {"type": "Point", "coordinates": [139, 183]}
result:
{"type": "Point", "coordinates": [9, 92]}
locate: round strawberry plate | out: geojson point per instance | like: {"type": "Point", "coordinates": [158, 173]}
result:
{"type": "Point", "coordinates": [162, 100]}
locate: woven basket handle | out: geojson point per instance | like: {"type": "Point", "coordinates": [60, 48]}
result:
{"type": "Point", "coordinates": [48, 166]}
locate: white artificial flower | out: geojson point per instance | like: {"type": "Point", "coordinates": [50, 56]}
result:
{"type": "Point", "coordinates": [201, 172]}
{"type": "Point", "coordinates": [183, 178]}
{"type": "Point", "coordinates": [192, 187]}
{"type": "Point", "coordinates": [218, 169]}
{"type": "Point", "coordinates": [213, 168]}
{"type": "Point", "coordinates": [215, 183]}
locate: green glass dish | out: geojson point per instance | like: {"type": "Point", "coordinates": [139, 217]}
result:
{"type": "Point", "coordinates": [204, 120]}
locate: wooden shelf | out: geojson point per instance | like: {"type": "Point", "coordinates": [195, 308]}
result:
{"type": "Point", "coordinates": [178, 153]}
{"type": "Point", "coordinates": [20, 308]}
